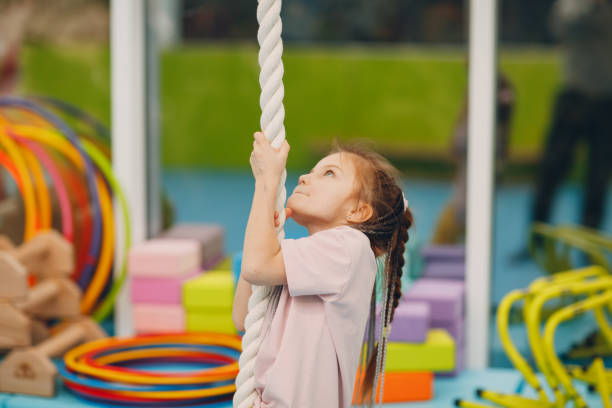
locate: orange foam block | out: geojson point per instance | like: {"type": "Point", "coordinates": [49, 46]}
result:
{"type": "Point", "coordinates": [403, 386]}
{"type": "Point", "coordinates": [151, 318]}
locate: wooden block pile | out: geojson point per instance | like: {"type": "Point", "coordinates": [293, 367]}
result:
{"type": "Point", "coordinates": [25, 311]}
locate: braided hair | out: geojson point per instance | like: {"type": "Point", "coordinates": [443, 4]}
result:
{"type": "Point", "coordinates": [387, 229]}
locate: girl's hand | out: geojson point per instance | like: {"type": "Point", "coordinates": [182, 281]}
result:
{"type": "Point", "coordinates": [288, 212]}
{"type": "Point", "coordinates": [268, 163]}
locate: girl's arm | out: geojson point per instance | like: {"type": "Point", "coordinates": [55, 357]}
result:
{"type": "Point", "coordinates": [241, 300]}
{"type": "Point", "coordinates": [262, 260]}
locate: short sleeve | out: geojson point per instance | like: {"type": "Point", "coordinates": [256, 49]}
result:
{"type": "Point", "coordinates": [319, 264]}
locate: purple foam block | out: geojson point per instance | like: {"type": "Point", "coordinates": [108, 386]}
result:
{"type": "Point", "coordinates": [453, 327]}
{"type": "Point", "coordinates": [445, 270]}
{"type": "Point", "coordinates": [410, 322]}
{"type": "Point", "coordinates": [211, 238]}
{"type": "Point", "coordinates": [444, 252]}
{"type": "Point", "coordinates": [445, 297]}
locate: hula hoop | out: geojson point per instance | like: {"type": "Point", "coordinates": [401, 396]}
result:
{"type": "Point", "coordinates": [9, 166]}
{"type": "Point", "coordinates": [58, 123]}
{"type": "Point", "coordinates": [28, 190]}
{"type": "Point", "coordinates": [99, 369]}
{"type": "Point", "coordinates": [61, 192]}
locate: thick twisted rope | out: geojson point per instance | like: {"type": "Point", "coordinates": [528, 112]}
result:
{"type": "Point", "coordinates": [272, 117]}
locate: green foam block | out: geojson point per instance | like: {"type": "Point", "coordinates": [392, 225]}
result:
{"type": "Point", "coordinates": [436, 354]}
{"type": "Point", "coordinates": [210, 322]}
{"type": "Point", "coordinates": [213, 290]}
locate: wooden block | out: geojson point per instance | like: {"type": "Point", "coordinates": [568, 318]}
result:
{"type": "Point", "coordinates": [164, 257]}
{"type": "Point", "coordinates": [15, 327]}
{"type": "Point", "coordinates": [210, 291]}
{"type": "Point", "coordinates": [13, 278]}
{"type": "Point", "coordinates": [445, 270]}
{"type": "Point", "coordinates": [53, 298]}
{"type": "Point", "coordinates": [211, 238]}
{"type": "Point", "coordinates": [404, 386]}
{"type": "Point", "coordinates": [30, 370]}
{"type": "Point", "coordinates": [436, 354]}
{"type": "Point", "coordinates": [202, 321]}
{"type": "Point", "coordinates": [150, 318]}
{"type": "Point", "coordinates": [47, 255]}
{"type": "Point", "coordinates": [163, 290]}
{"type": "Point", "coordinates": [454, 253]}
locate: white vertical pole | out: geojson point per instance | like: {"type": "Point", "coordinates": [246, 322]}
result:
{"type": "Point", "coordinates": [128, 129]}
{"type": "Point", "coordinates": [481, 125]}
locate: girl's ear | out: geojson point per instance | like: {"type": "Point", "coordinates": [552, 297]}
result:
{"type": "Point", "coordinates": [361, 213]}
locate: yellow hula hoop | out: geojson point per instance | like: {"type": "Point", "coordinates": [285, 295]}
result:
{"type": "Point", "coordinates": [171, 395]}
{"type": "Point", "coordinates": [103, 268]}
{"type": "Point", "coordinates": [29, 197]}
{"type": "Point", "coordinates": [42, 192]}
{"type": "Point", "coordinates": [73, 362]}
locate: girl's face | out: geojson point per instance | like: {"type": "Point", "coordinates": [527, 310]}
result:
{"type": "Point", "coordinates": [325, 197]}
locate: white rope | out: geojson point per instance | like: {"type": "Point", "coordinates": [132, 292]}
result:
{"type": "Point", "coordinates": [272, 118]}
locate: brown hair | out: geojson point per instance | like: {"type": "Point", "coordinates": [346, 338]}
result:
{"type": "Point", "coordinates": [379, 185]}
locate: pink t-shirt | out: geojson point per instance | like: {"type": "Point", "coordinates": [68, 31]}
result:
{"type": "Point", "coordinates": [310, 354]}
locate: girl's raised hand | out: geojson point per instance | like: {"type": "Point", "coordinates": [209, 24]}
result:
{"type": "Point", "coordinates": [288, 212]}
{"type": "Point", "coordinates": [267, 162]}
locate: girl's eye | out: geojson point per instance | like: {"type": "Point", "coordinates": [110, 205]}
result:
{"type": "Point", "coordinates": [329, 172]}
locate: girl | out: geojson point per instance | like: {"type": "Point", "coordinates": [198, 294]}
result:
{"type": "Point", "coordinates": [354, 210]}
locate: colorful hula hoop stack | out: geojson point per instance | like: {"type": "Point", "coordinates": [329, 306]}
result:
{"type": "Point", "coordinates": [42, 153]}
{"type": "Point", "coordinates": [105, 370]}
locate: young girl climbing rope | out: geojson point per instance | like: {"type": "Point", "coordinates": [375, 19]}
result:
{"type": "Point", "coordinates": [324, 294]}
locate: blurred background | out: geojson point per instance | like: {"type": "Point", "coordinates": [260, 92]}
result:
{"type": "Point", "coordinates": [391, 71]}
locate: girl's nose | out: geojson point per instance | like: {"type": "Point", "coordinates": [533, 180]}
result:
{"type": "Point", "coordinates": [302, 179]}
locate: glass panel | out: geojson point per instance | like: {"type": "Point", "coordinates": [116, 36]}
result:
{"type": "Point", "coordinates": [553, 110]}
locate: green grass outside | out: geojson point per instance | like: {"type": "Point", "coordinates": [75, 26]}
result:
{"type": "Point", "coordinates": [402, 98]}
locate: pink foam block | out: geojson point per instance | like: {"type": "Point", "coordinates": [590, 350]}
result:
{"type": "Point", "coordinates": [445, 297]}
{"type": "Point", "coordinates": [445, 270]}
{"type": "Point", "coordinates": [164, 257]}
{"type": "Point", "coordinates": [210, 237]}
{"type": "Point", "coordinates": [148, 318]}
{"type": "Point", "coordinates": [166, 290]}
{"type": "Point", "coordinates": [410, 322]}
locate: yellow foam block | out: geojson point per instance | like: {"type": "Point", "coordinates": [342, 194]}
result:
{"type": "Point", "coordinates": [210, 322]}
{"type": "Point", "coordinates": [212, 290]}
{"type": "Point", "coordinates": [436, 354]}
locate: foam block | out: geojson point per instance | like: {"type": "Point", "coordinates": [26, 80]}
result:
{"type": "Point", "coordinates": [444, 252]}
{"type": "Point", "coordinates": [166, 290]}
{"type": "Point", "coordinates": [210, 237]}
{"type": "Point", "coordinates": [436, 354]}
{"type": "Point", "coordinates": [445, 297]}
{"type": "Point", "coordinates": [459, 362]}
{"type": "Point", "coordinates": [149, 318]}
{"type": "Point", "coordinates": [202, 321]}
{"type": "Point", "coordinates": [410, 323]}
{"type": "Point", "coordinates": [210, 291]}
{"type": "Point", "coordinates": [164, 257]}
{"type": "Point", "coordinates": [402, 387]}
{"type": "Point", "coordinates": [456, 328]}
{"type": "Point", "coordinates": [445, 270]}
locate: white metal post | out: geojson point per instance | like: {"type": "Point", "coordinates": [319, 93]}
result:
{"type": "Point", "coordinates": [128, 129]}
{"type": "Point", "coordinates": [481, 125]}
